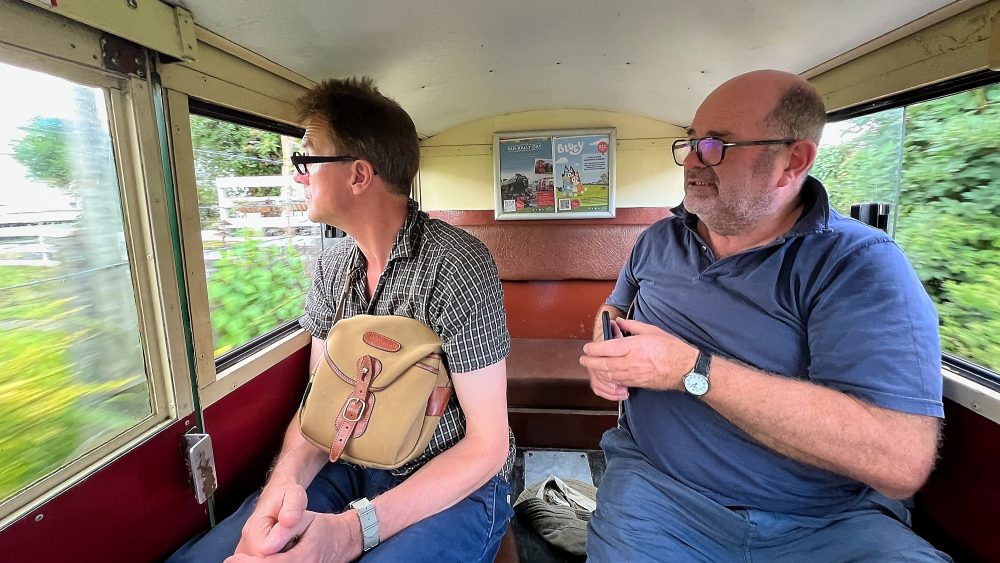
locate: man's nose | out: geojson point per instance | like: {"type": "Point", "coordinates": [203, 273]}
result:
{"type": "Point", "coordinates": [692, 161]}
{"type": "Point", "coordinates": [300, 178]}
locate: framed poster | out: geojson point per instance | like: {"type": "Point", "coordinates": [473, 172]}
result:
{"type": "Point", "coordinates": [565, 174]}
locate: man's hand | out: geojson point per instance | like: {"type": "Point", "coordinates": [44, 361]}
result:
{"type": "Point", "coordinates": [601, 387]}
{"type": "Point", "coordinates": [651, 358]}
{"type": "Point", "coordinates": [319, 538]}
{"type": "Point", "coordinates": [275, 520]}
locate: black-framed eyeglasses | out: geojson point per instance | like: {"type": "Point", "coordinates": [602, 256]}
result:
{"type": "Point", "coordinates": [299, 161]}
{"type": "Point", "coordinates": [711, 150]}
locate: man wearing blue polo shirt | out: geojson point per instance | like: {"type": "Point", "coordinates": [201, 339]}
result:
{"type": "Point", "coordinates": [782, 380]}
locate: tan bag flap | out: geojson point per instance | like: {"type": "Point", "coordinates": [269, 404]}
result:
{"type": "Point", "coordinates": [381, 336]}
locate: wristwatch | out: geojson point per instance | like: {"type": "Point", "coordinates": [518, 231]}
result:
{"type": "Point", "coordinates": [696, 381]}
{"type": "Point", "coordinates": [369, 523]}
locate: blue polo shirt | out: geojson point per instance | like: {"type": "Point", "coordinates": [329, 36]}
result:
{"type": "Point", "coordinates": [833, 302]}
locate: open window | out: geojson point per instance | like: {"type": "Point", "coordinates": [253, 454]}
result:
{"type": "Point", "coordinates": [82, 355]}
{"type": "Point", "coordinates": [937, 161]}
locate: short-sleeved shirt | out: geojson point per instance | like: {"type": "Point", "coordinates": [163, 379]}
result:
{"type": "Point", "coordinates": [437, 274]}
{"type": "Point", "coordinates": [832, 301]}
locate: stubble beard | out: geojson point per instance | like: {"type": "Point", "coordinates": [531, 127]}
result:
{"type": "Point", "coordinates": [742, 206]}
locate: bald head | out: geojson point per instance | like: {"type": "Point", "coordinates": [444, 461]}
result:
{"type": "Point", "coordinates": [783, 103]}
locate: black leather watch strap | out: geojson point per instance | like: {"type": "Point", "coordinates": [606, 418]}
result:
{"type": "Point", "coordinates": [703, 363]}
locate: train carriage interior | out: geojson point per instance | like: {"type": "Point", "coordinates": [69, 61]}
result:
{"type": "Point", "coordinates": [155, 253]}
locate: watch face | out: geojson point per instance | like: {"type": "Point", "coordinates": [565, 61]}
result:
{"type": "Point", "coordinates": [696, 384]}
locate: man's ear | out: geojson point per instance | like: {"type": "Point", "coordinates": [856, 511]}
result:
{"type": "Point", "coordinates": [362, 176]}
{"type": "Point", "coordinates": [801, 156]}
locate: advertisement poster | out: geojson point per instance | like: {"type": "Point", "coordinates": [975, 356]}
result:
{"type": "Point", "coordinates": [552, 175]}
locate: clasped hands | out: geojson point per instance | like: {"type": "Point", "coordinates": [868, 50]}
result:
{"type": "Point", "coordinates": [280, 520]}
{"type": "Point", "coordinates": [650, 358]}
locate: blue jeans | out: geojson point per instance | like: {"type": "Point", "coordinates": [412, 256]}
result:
{"type": "Point", "coordinates": [645, 515]}
{"type": "Point", "coordinates": [469, 531]}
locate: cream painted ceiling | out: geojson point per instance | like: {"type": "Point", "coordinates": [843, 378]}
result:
{"type": "Point", "coordinates": [449, 62]}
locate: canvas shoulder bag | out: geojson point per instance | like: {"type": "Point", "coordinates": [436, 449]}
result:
{"type": "Point", "coordinates": [377, 395]}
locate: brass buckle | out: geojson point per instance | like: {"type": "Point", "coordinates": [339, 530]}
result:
{"type": "Point", "coordinates": [360, 412]}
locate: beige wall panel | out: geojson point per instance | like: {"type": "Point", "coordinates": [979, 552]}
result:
{"type": "Point", "coordinates": [994, 56]}
{"type": "Point", "coordinates": [206, 37]}
{"type": "Point", "coordinates": [648, 178]}
{"type": "Point", "coordinates": [481, 132]}
{"type": "Point", "coordinates": [34, 28]}
{"type": "Point", "coordinates": [956, 46]}
{"type": "Point", "coordinates": [228, 68]}
{"type": "Point", "coordinates": [456, 169]}
{"type": "Point", "coordinates": [456, 182]}
{"type": "Point", "coordinates": [200, 85]}
{"type": "Point", "coordinates": [152, 24]}
{"type": "Point", "coordinates": [190, 225]}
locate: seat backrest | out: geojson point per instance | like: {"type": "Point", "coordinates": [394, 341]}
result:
{"type": "Point", "coordinates": [556, 273]}
{"type": "Point", "coordinates": [552, 251]}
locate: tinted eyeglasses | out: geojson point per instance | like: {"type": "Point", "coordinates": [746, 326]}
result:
{"type": "Point", "coordinates": [299, 161]}
{"type": "Point", "coordinates": [711, 150]}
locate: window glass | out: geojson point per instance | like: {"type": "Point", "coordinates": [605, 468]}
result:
{"type": "Point", "coordinates": [72, 374]}
{"type": "Point", "coordinates": [260, 248]}
{"type": "Point", "coordinates": [949, 216]}
{"type": "Point", "coordinates": [859, 161]}
{"type": "Point", "coordinates": [938, 163]}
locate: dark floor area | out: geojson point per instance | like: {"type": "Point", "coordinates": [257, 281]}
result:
{"type": "Point", "coordinates": [531, 548]}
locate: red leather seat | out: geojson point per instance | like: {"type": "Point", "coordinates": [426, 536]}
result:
{"type": "Point", "coordinates": [508, 548]}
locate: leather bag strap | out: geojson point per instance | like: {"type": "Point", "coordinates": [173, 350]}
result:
{"type": "Point", "coordinates": [355, 406]}
{"type": "Point", "coordinates": [348, 278]}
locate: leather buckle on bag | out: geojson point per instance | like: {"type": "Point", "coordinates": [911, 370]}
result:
{"type": "Point", "coordinates": [347, 405]}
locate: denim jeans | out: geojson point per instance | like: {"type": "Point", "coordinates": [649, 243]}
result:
{"type": "Point", "coordinates": [645, 515]}
{"type": "Point", "coordinates": [467, 532]}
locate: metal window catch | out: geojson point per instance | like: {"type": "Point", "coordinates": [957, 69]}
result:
{"type": "Point", "coordinates": [123, 56]}
{"type": "Point", "coordinates": [200, 460]}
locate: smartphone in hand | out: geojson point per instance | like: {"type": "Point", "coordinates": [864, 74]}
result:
{"type": "Point", "coordinates": [606, 324]}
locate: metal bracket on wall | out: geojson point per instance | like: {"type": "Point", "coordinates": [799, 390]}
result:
{"type": "Point", "coordinates": [200, 460]}
{"type": "Point", "coordinates": [123, 56]}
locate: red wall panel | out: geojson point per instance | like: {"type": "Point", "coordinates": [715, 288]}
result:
{"type": "Point", "coordinates": [959, 507]}
{"type": "Point", "coordinates": [135, 509]}
{"type": "Point", "coordinates": [247, 427]}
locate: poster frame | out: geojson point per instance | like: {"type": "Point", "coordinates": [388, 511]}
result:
{"type": "Point", "coordinates": [501, 215]}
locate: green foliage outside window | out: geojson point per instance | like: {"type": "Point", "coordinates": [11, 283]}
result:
{"type": "Point", "coordinates": [227, 149]}
{"type": "Point", "coordinates": [72, 373]}
{"type": "Point", "coordinates": [44, 151]}
{"type": "Point", "coordinates": [867, 167]}
{"type": "Point", "coordinates": [948, 216]}
{"type": "Point", "coordinates": [50, 413]}
{"type": "Point", "coordinates": [253, 289]}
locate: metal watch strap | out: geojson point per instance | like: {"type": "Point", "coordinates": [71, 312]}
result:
{"type": "Point", "coordinates": [369, 523]}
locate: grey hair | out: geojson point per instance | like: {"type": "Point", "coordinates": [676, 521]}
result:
{"type": "Point", "coordinates": [799, 114]}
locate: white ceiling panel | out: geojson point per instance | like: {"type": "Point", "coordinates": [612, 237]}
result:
{"type": "Point", "coordinates": [449, 62]}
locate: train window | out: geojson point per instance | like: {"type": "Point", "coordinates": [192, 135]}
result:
{"type": "Point", "coordinates": [72, 369]}
{"type": "Point", "coordinates": [947, 153]}
{"type": "Point", "coordinates": [859, 160]}
{"type": "Point", "coordinates": [259, 246]}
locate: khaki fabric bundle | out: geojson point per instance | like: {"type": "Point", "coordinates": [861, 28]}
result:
{"type": "Point", "coordinates": [559, 511]}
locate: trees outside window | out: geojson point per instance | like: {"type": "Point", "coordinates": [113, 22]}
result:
{"type": "Point", "coordinates": [72, 370]}
{"type": "Point", "coordinates": [259, 246]}
{"type": "Point", "coordinates": [945, 154]}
